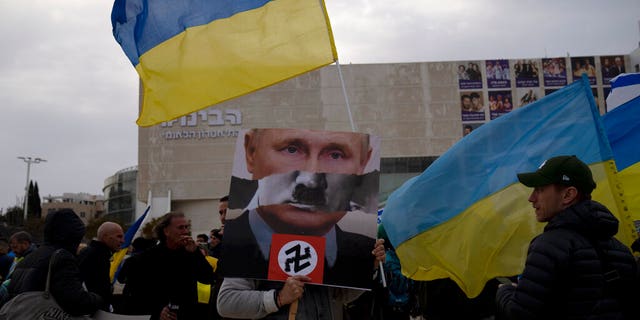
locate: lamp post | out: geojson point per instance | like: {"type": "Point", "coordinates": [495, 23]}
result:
{"type": "Point", "coordinates": [29, 161]}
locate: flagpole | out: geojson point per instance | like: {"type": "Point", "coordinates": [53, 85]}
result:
{"type": "Point", "coordinates": [346, 98]}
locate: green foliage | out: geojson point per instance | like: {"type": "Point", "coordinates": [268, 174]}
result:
{"type": "Point", "coordinates": [35, 227]}
{"type": "Point", "coordinates": [37, 201]}
{"type": "Point", "coordinates": [147, 228]}
{"type": "Point", "coordinates": [34, 204]}
{"type": "Point", "coordinates": [14, 216]}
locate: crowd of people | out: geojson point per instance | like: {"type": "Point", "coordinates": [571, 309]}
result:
{"type": "Point", "coordinates": [575, 269]}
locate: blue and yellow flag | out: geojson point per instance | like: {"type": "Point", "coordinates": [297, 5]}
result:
{"type": "Point", "coordinates": [623, 129]}
{"type": "Point", "coordinates": [467, 217]}
{"type": "Point", "coordinates": [191, 54]}
{"type": "Point", "coordinates": [118, 257]}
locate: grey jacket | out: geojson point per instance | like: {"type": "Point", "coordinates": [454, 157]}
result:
{"type": "Point", "coordinates": [255, 299]}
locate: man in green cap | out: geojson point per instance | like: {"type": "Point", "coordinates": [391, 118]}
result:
{"type": "Point", "coordinates": [575, 269]}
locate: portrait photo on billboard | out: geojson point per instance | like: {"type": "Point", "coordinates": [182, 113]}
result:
{"type": "Point", "coordinates": [526, 73]}
{"type": "Point", "coordinates": [527, 95]}
{"type": "Point", "coordinates": [500, 103]}
{"type": "Point", "coordinates": [584, 65]}
{"type": "Point", "coordinates": [611, 66]}
{"type": "Point", "coordinates": [554, 72]}
{"type": "Point", "coordinates": [469, 75]}
{"type": "Point", "coordinates": [472, 106]}
{"type": "Point", "coordinates": [303, 202]}
{"type": "Point", "coordinates": [498, 74]}
{"type": "Point", "coordinates": [467, 128]}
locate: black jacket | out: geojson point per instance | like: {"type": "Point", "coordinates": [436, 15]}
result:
{"type": "Point", "coordinates": [564, 276]}
{"type": "Point", "coordinates": [159, 276]}
{"type": "Point", "coordinates": [94, 268]}
{"type": "Point", "coordinates": [63, 230]}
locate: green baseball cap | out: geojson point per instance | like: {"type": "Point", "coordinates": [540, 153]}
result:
{"type": "Point", "coordinates": [564, 170]}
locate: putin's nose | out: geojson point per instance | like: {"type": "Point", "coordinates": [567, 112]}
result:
{"type": "Point", "coordinates": [311, 180]}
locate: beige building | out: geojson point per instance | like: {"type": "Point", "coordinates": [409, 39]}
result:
{"type": "Point", "coordinates": [86, 206]}
{"type": "Point", "coordinates": [415, 108]}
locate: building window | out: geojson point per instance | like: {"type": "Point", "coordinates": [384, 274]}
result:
{"type": "Point", "coordinates": [82, 214]}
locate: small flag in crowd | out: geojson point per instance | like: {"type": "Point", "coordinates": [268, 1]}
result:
{"type": "Point", "coordinates": [118, 257]}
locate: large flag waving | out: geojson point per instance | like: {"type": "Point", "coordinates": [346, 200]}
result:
{"type": "Point", "coordinates": [191, 54]}
{"type": "Point", "coordinates": [623, 129]}
{"type": "Point", "coordinates": [467, 217]}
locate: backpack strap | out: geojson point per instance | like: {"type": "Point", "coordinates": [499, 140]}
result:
{"type": "Point", "coordinates": [51, 262]}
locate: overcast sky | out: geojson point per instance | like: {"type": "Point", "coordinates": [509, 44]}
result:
{"type": "Point", "coordinates": [69, 95]}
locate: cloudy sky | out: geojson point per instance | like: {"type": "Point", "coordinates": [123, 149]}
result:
{"type": "Point", "coordinates": [69, 95]}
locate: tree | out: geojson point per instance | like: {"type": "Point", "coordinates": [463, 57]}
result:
{"type": "Point", "coordinates": [37, 201]}
{"type": "Point", "coordinates": [34, 205]}
{"type": "Point", "coordinates": [14, 216]}
{"type": "Point", "coordinates": [147, 228]}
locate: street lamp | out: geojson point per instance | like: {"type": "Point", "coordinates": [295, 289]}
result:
{"type": "Point", "coordinates": [29, 161]}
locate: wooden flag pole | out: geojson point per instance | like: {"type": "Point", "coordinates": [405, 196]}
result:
{"type": "Point", "coordinates": [293, 310]}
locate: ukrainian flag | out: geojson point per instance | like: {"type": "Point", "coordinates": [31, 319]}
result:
{"type": "Point", "coordinates": [467, 217]}
{"type": "Point", "coordinates": [118, 258]}
{"type": "Point", "coordinates": [191, 54]}
{"type": "Point", "coordinates": [623, 129]}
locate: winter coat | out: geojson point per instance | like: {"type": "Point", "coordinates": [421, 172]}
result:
{"type": "Point", "coordinates": [159, 276]}
{"type": "Point", "coordinates": [63, 230]}
{"type": "Point", "coordinates": [564, 275]}
{"type": "Point", "coordinates": [95, 265]}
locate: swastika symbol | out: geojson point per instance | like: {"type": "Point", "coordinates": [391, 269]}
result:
{"type": "Point", "coordinates": [297, 258]}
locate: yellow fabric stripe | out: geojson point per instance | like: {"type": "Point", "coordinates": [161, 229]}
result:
{"type": "Point", "coordinates": [611, 193]}
{"type": "Point", "coordinates": [204, 292]}
{"type": "Point", "coordinates": [230, 57]}
{"type": "Point", "coordinates": [630, 180]}
{"type": "Point", "coordinates": [116, 259]}
{"type": "Point", "coordinates": [490, 238]}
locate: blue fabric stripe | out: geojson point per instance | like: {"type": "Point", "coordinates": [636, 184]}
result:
{"type": "Point", "coordinates": [140, 26]}
{"type": "Point", "coordinates": [133, 229]}
{"type": "Point", "coordinates": [487, 160]}
{"type": "Point", "coordinates": [623, 129]}
{"type": "Point", "coordinates": [624, 80]}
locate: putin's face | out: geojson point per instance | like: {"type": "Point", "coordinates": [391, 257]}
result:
{"type": "Point", "coordinates": [306, 178]}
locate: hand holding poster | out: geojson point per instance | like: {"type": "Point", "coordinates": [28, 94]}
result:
{"type": "Point", "coordinates": [307, 199]}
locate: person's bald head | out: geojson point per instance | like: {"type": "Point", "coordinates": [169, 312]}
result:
{"type": "Point", "coordinates": [111, 234]}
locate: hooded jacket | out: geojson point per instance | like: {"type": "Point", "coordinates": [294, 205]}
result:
{"type": "Point", "coordinates": [62, 230]}
{"type": "Point", "coordinates": [564, 275]}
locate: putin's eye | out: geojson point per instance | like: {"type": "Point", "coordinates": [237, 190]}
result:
{"type": "Point", "coordinates": [291, 149]}
{"type": "Point", "coordinates": [336, 155]}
